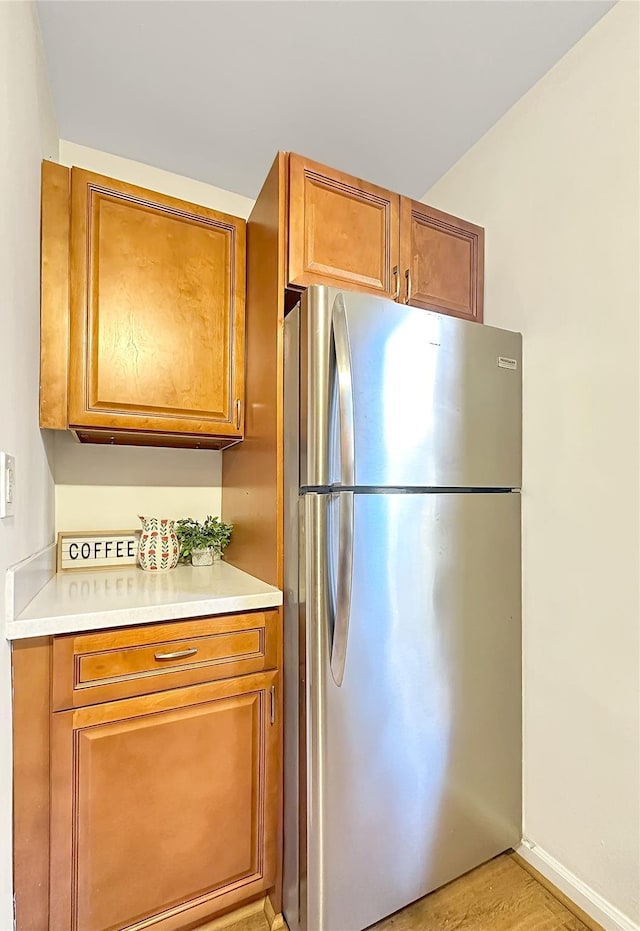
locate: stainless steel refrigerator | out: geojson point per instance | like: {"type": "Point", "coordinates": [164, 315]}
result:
{"type": "Point", "coordinates": [402, 604]}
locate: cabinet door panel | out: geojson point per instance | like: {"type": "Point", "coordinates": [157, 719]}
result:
{"type": "Point", "coordinates": [341, 230]}
{"type": "Point", "coordinates": [157, 311]}
{"type": "Point", "coordinates": [161, 806]}
{"type": "Point", "coordinates": [444, 257]}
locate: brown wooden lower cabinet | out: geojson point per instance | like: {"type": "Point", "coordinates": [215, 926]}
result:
{"type": "Point", "coordinates": [154, 809]}
{"type": "Point", "coordinates": [161, 806]}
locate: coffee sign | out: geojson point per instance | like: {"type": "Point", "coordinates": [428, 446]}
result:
{"type": "Point", "coordinates": [97, 550]}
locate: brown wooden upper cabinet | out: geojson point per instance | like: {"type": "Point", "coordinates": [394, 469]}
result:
{"type": "Point", "coordinates": [347, 232]}
{"type": "Point", "coordinates": [156, 315]}
{"type": "Point", "coordinates": [342, 231]}
{"type": "Point", "coordinates": [442, 261]}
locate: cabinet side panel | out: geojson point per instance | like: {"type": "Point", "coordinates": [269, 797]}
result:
{"type": "Point", "coordinates": [252, 472]}
{"type": "Point", "coordinates": [31, 664]}
{"type": "Point", "coordinates": [54, 296]}
{"type": "Point", "coordinates": [239, 284]}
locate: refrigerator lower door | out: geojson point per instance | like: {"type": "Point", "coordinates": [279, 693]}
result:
{"type": "Point", "coordinates": [413, 763]}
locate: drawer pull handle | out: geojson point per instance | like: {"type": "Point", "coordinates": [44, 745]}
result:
{"type": "Point", "coordinates": [179, 654]}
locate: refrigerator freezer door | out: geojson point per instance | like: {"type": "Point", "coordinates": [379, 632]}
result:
{"type": "Point", "coordinates": [413, 771]}
{"type": "Point", "coordinates": [437, 402]}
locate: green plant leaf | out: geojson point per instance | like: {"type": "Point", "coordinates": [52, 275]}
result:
{"type": "Point", "coordinates": [211, 533]}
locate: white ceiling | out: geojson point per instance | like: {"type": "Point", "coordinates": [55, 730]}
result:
{"type": "Point", "coordinates": [391, 91]}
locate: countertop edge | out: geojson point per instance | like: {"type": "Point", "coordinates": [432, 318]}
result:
{"type": "Point", "coordinates": [148, 614]}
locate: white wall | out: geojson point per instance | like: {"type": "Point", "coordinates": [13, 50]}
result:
{"type": "Point", "coordinates": [555, 183]}
{"type": "Point", "coordinates": [99, 487]}
{"type": "Point", "coordinates": [28, 133]}
{"type": "Point", "coordinates": [106, 487]}
{"type": "Point", "coordinates": [124, 169]}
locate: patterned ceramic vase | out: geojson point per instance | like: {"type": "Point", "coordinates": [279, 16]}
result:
{"type": "Point", "coordinates": [159, 548]}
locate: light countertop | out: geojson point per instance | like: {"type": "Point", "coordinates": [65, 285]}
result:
{"type": "Point", "coordinates": [92, 599]}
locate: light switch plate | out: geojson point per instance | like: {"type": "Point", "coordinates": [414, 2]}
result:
{"type": "Point", "coordinates": [7, 485]}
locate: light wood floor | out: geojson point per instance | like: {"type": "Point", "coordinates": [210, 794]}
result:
{"type": "Point", "coordinates": [499, 896]}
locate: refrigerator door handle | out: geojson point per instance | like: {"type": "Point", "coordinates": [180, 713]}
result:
{"type": "Point", "coordinates": [345, 392]}
{"type": "Point", "coordinates": [345, 498]}
{"type": "Point", "coordinates": [343, 586]}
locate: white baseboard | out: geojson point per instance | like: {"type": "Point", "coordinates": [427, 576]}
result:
{"type": "Point", "coordinates": [582, 895]}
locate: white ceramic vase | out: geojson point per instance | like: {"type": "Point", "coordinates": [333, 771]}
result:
{"type": "Point", "coordinates": [205, 557]}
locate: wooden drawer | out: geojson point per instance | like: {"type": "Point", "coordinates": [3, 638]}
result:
{"type": "Point", "coordinates": [110, 664]}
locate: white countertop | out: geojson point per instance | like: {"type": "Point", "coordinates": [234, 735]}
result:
{"type": "Point", "coordinates": [92, 599]}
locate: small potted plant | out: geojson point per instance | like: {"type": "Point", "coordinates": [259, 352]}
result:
{"type": "Point", "coordinates": [202, 542]}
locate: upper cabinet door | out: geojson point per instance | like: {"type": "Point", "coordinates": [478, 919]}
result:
{"type": "Point", "coordinates": [157, 313]}
{"type": "Point", "coordinates": [442, 261]}
{"type": "Point", "coordinates": [342, 231]}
